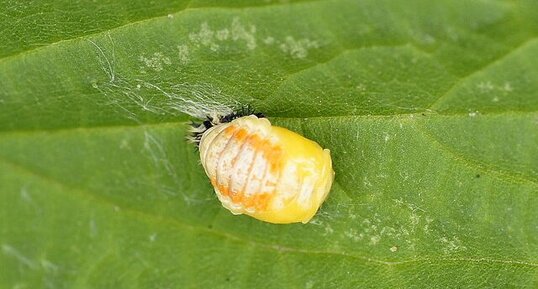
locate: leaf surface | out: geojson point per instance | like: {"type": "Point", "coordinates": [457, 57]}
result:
{"type": "Point", "coordinates": [429, 109]}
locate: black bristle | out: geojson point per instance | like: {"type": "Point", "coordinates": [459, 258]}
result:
{"type": "Point", "coordinates": [197, 132]}
{"type": "Point", "coordinates": [208, 124]}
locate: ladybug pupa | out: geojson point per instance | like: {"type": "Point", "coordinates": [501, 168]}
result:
{"type": "Point", "coordinates": [264, 171]}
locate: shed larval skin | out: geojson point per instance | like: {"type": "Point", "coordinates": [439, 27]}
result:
{"type": "Point", "coordinates": [264, 171]}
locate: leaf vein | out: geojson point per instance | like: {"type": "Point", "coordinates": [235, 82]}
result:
{"type": "Point", "coordinates": [442, 98]}
{"type": "Point", "coordinates": [328, 117]}
{"type": "Point", "coordinates": [187, 7]}
{"type": "Point", "coordinates": [476, 164]}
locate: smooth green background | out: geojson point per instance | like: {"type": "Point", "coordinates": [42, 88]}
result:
{"type": "Point", "coordinates": [430, 110]}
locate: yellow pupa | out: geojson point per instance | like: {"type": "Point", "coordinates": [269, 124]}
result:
{"type": "Point", "coordinates": [264, 171]}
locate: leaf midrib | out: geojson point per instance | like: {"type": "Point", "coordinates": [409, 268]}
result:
{"type": "Point", "coordinates": [350, 117]}
{"type": "Point", "coordinates": [416, 118]}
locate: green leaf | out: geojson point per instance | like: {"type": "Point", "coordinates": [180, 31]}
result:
{"type": "Point", "coordinates": [430, 110]}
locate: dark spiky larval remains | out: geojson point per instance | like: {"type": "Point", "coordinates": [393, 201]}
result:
{"type": "Point", "coordinates": [199, 128]}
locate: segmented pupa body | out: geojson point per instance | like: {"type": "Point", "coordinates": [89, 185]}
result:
{"type": "Point", "coordinates": [265, 171]}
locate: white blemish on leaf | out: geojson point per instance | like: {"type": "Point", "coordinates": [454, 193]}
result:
{"type": "Point", "coordinates": [183, 54]}
{"type": "Point", "coordinates": [407, 228]}
{"type": "Point", "coordinates": [353, 235]}
{"type": "Point", "coordinates": [374, 240]}
{"type": "Point", "coordinates": [223, 34]}
{"type": "Point", "coordinates": [426, 39]}
{"type": "Point", "coordinates": [404, 175]}
{"type": "Point", "coordinates": [327, 229]}
{"type": "Point", "coordinates": [452, 244]}
{"type": "Point", "coordinates": [485, 86]}
{"type": "Point", "coordinates": [386, 137]}
{"type": "Point", "coordinates": [360, 87]}
{"type": "Point", "coordinates": [415, 219]}
{"type": "Point", "coordinates": [156, 62]}
{"type": "Point", "coordinates": [297, 48]}
{"type": "Point", "coordinates": [426, 227]}
{"type": "Point", "coordinates": [382, 176]}
{"type": "Point", "coordinates": [452, 33]}
{"type": "Point", "coordinates": [240, 32]}
{"type": "Point", "coordinates": [25, 196]}
{"type": "Point", "coordinates": [473, 113]}
{"type": "Point", "coordinates": [269, 40]}
{"type": "Point", "coordinates": [491, 88]}
{"type": "Point", "coordinates": [153, 237]}
{"type": "Point", "coordinates": [207, 37]}
{"type": "Point", "coordinates": [204, 37]}
{"type": "Point", "coordinates": [124, 144]}
{"type": "Point", "coordinates": [93, 228]}
{"type": "Point", "coordinates": [366, 182]}
{"type": "Point", "coordinates": [507, 87]}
